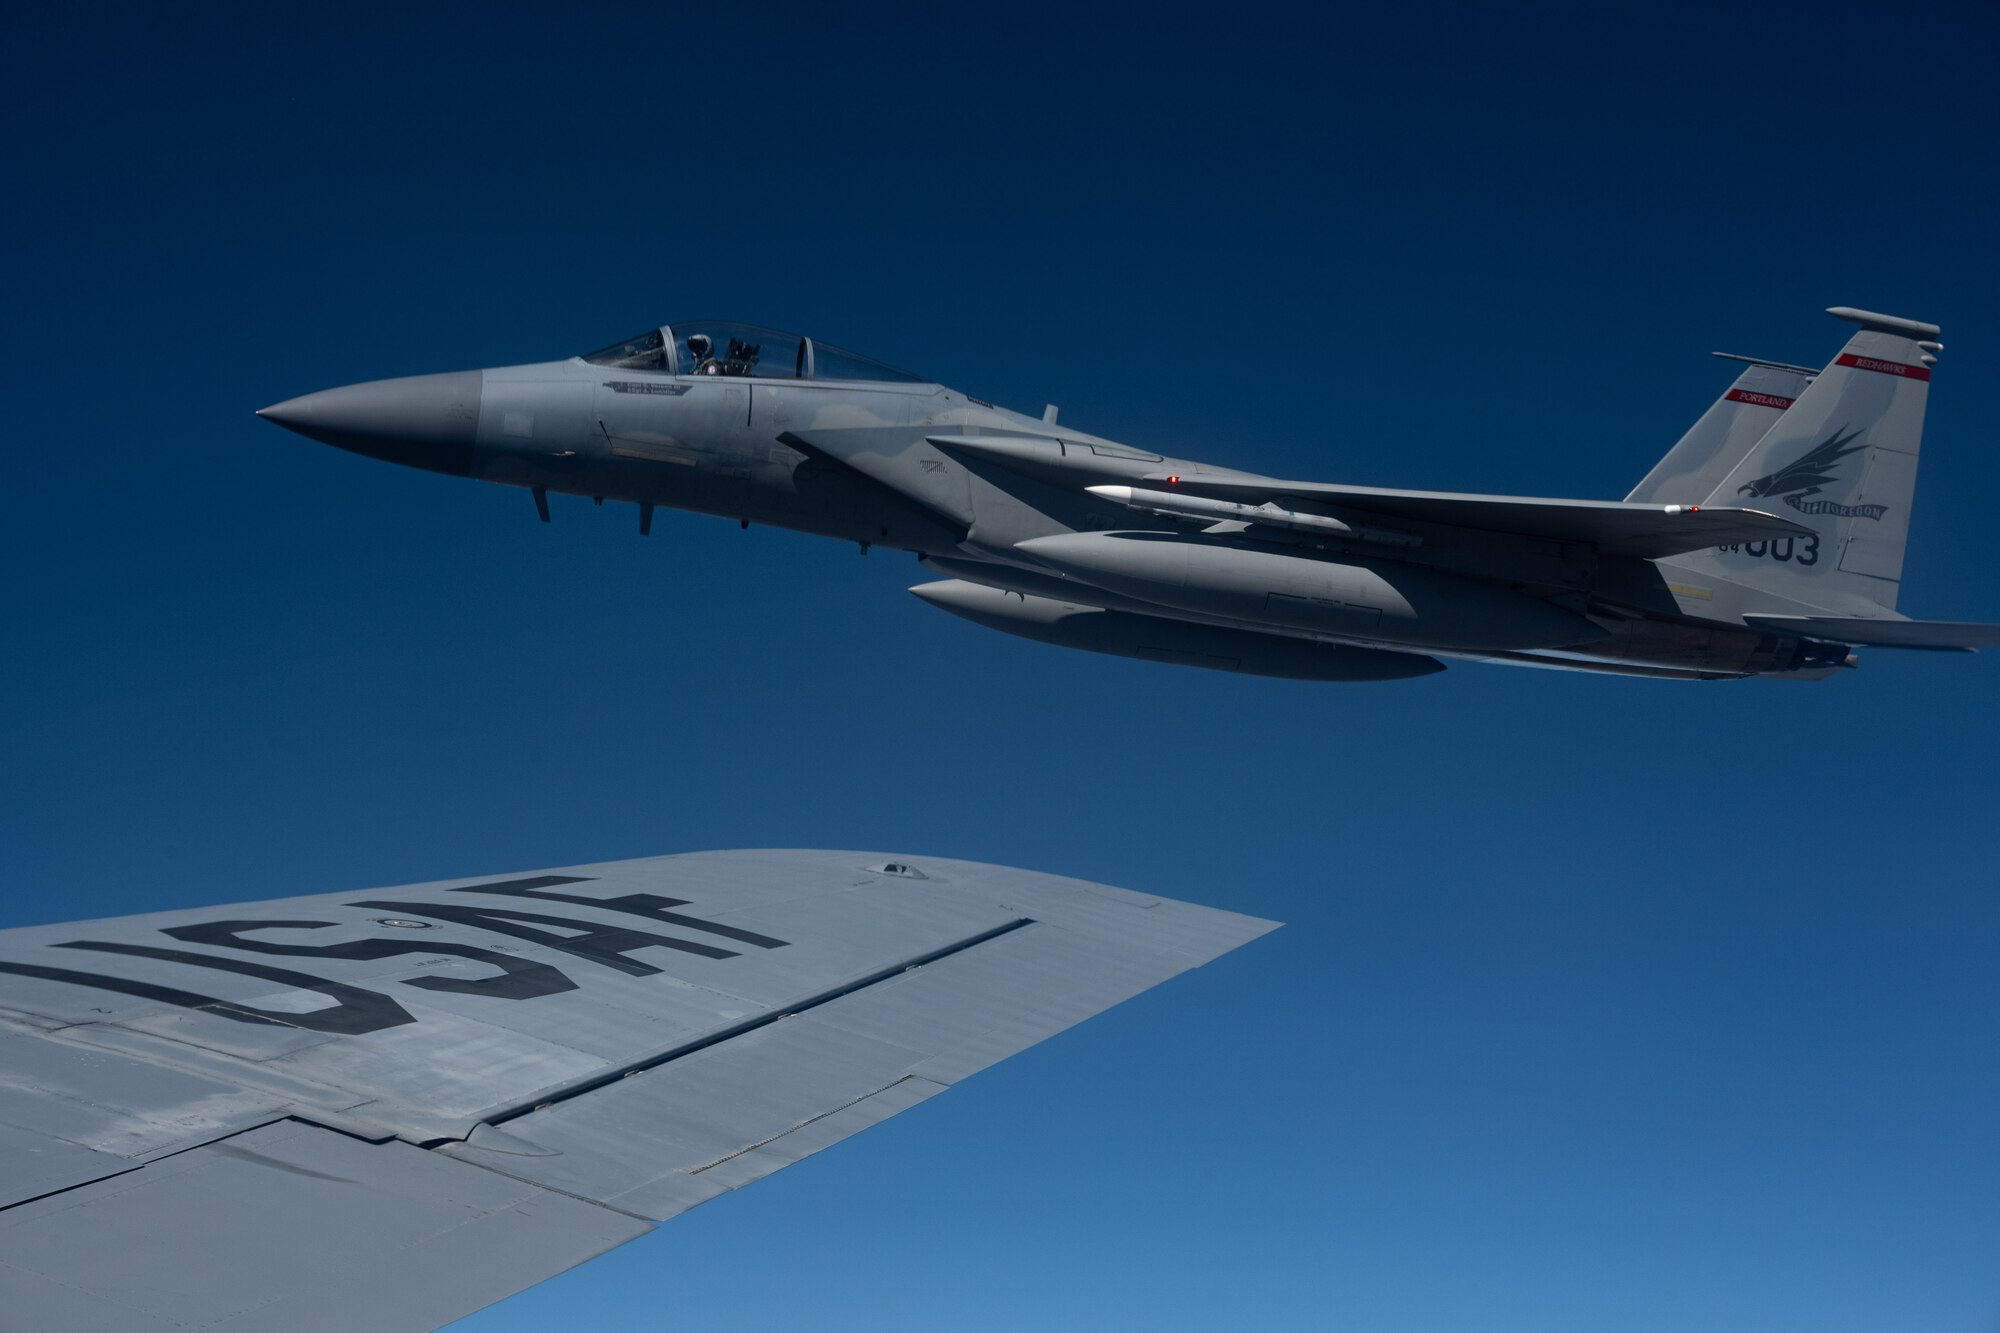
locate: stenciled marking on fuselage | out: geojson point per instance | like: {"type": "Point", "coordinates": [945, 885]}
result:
{"type": "Point", "coordinates": [645, 386]}
{"type": "Point", "coordinates": [1803, 550]}
{"type": "Point", "coordinates": [357, 1009]}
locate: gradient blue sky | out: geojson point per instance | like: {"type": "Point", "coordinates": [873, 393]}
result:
{"type": "Point", "coordinates": [1603, 1003]}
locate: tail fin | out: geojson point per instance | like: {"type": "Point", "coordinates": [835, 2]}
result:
{"type": "Point", "coordinates": [1720, 438]}
{"type": "Point", "coordinates": [1843, 461]}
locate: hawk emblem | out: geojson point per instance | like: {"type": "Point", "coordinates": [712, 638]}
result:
{"type": "Point", "coordinates": [1810, 471]}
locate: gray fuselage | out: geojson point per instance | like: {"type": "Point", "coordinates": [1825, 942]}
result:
{"type": "Point", "coordinates": [907, 464]}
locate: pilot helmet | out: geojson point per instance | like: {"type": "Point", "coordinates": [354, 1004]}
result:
{"type": "Point", "coordinates": [700, 344]}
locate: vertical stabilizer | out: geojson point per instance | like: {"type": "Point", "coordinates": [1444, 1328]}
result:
{"type": "Point", "coordinates": [1843, 461]}
{"type": "Point", "coordinates": [1724, 434]}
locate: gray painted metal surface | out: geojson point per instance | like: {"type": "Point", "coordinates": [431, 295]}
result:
{"type": "Point", "coordinates": [1155, 638]}
{"type": "Point", "coordinates": [1778, 521]}
{"type": "Point", "coordinates": [1702, 458]}
{"type": "Point", "coordinates": [290, 1227]}
{"type": "Point", "coordinates": [215, 1118]}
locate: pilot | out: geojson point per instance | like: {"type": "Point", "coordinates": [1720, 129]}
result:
{"type": "Point", "coordinates": [702, 348]}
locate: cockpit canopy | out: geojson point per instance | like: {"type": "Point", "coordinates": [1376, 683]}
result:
{"type": "Point", "coordinates": [713, 347]}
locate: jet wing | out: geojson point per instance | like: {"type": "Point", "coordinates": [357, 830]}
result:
{"type": "Point", "coordinates": [1875, 632]}
{"type": "Point", "coordinates": [1646, 531]}
{"type": "Point", "coordinates": [386, 1109]}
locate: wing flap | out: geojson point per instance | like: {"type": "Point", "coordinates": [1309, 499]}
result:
{"type": "Point", "coordinates": [631, 1144]}
{"type": "Point", "coordinates": [38, 1164]}
{"type": "Point", "coordinates": [291, 1227]}
{"type": "Point", "coordinates": [669, 1137]}
{"type": "Point", "coordinates": [1644, 531]}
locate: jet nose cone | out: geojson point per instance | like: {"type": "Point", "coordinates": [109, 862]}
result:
{"type": "Point", "coordinates": [426, 421]}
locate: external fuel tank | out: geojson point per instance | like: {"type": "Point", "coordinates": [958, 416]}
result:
{"type": "Point", "coordinates": [1366, 598]}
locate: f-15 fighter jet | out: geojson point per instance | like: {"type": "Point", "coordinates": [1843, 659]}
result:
{"type": "Point", "coordinates": [1768, 542]}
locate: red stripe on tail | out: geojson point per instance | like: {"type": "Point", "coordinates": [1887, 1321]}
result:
{"type": "Point", "coordinates": [1759, 399]}
{"type": "Point", "coordinates": [1884, 367]}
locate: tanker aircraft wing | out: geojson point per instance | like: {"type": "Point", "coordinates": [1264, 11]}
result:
{"type": "Point", "coordinates": [1644, 531]}
{"type": "Point", "coordinates": [387, 1109]}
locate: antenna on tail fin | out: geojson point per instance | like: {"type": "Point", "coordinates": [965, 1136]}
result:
{"type": "Point", "coordinates": [1806, 371]}
{"type": "Point", "coordinates": [1907, 328]}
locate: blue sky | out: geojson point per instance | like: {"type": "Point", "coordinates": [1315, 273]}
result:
{"type": "Point", "coordinates": [1603, 1003]}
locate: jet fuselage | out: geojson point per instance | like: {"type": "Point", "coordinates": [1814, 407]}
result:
{"type": "Point", "coordinates": [1071, 538]}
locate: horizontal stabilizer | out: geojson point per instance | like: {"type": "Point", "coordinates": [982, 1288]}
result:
{"type": "Point", "coordinates": [1868, 631]}
{"type": "Point", "coordinates": [1647, 531]}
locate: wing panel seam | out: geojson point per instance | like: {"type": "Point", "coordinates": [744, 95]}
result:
{"type": "Point", "coordinates": [748, 1025]}
{"type": "Point", "coordinates": [769, 1139]}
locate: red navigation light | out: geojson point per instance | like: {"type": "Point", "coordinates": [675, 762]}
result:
{"type": "Point", "coordinates": [1173, 481]}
